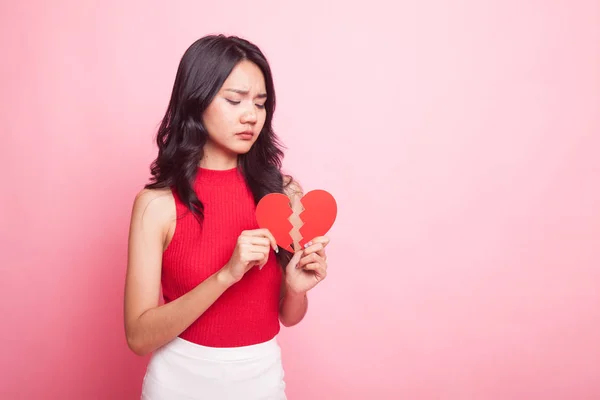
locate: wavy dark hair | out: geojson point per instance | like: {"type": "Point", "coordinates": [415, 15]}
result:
{"type": "Point", "coordinates": [181, 136]}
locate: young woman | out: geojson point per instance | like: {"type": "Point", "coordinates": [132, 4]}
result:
{"type": "Point", "coordinates": [226, 285]}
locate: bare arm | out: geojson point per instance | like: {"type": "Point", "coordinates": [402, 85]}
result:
{"type": "Point", "coordinates": [292, 307]}
{"type": "Point", "coordinates": [148, 326]}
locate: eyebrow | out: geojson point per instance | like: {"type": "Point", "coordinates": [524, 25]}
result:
{"type": "Point", "coordinates": [245, 92]}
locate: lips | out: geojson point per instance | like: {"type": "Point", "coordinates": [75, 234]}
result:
{"type": "Point", "coordinates": [246, 135]}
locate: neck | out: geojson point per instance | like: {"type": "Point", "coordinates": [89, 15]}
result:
{"type": "Point", "coordinates": [217, 159]}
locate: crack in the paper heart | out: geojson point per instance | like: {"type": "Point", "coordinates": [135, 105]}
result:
{"type": "Point", "coordinates": [293, 219]}
{"type": "Point", "coordinates": [297, 223]}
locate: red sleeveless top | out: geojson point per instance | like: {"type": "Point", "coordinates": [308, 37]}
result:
{"type": "Point", "coordinates": [248, 312]}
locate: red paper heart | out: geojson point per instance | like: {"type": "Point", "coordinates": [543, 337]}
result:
{"type": "Point", "coordinates": [320, 211]}
{"type": "Point", "coordinates": [274, 210]}
{"type": "Point", "coordinates": [272, 213]}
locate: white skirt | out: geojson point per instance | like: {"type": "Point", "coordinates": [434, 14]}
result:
{"type": "Point", "coordinates": [184, 370]}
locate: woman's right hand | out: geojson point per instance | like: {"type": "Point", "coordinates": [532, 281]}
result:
{"type": "Point", "coordinates": [252, 248]}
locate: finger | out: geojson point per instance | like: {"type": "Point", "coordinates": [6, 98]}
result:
{"type": "Point", "coordinates": [265, 251]}
{"type": "Point", "coordinates": [322, 254]}
{"type": "Point", "coordinates": [264, 233]}
{"type": "Point", "coordinates": [324, 240]}
{"type": "Point", "coordinates": [252, 256]}
{"type": "Point", "coordinates": [257, 249]}
{"type": "Point", "coordinates": [314, 257]}
{"type": "Point", "coordinates": [314, 248]}
{"type": "Point", "coordinates": [293, 263]}
{"type": "Point", "coordinates": [318, 249]}
{"type": "Point", "coordinates": [318, 269]}
{"type": "Point", "coordinates": [249, 247]}
{"type": "Point", "coordinates": [311, 258]}
{"type": "Point", "coordinates": [255, 240]}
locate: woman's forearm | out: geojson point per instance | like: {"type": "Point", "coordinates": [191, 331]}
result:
{"type": "Point", "coordinates": [159, 325]}
{"type": "Point", "coordinates": [292, 308]}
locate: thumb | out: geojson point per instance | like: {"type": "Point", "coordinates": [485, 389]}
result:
{"type": "Point", "coordinates": [296, 259]}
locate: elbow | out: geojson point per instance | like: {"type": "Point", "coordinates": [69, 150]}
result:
{"type": "Point", "coordinates": [287, 322]}
{"type": "Point", "coordinates": [136, 345]}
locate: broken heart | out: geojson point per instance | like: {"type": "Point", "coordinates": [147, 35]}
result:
{"type": "Point", "coordinates": [291, 228]}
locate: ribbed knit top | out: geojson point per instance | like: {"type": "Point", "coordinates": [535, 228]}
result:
{"type": "Point", "coordinates": [247, 312]}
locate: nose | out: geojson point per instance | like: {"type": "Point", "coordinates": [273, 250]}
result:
{"type": "Point", "coordinates": [249, 116]}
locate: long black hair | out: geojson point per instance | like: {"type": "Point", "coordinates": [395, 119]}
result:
{"type": "Point", "coordinates": [181, 136]}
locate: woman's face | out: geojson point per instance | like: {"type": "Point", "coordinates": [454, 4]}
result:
{"type": "Point", "coordinates": [237, 114]}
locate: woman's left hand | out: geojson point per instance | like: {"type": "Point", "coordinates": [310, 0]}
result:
{"type": "Point", "coordinates": [308, 267]}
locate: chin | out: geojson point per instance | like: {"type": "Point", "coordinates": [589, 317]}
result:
{"type": "Point", "coordinates": [239, 150]}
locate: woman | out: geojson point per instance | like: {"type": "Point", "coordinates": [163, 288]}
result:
{"type": "Point", "coordinates": [226, 285]}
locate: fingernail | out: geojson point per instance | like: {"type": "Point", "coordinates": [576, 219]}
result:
{"type": "Point", "coordinates": [276, 249]}
{"type": "Point", "coordinates": [307, 244]}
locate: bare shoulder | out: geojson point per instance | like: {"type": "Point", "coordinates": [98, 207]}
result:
{"type": "Point", "coordinates": [154, 203]}
{"type": "Point", "coordinates": [154, 210]}
{"type": "Point", "coordinates": [291, 187]}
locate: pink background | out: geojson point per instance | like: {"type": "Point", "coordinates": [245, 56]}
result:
{"type": "Point", "coordinates": [465, 262]}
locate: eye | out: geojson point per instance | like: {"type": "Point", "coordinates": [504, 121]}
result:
{"type": "Point", "coordinates": [261, 106]}
{"type": "Point", "coordinates": [233, 102]}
